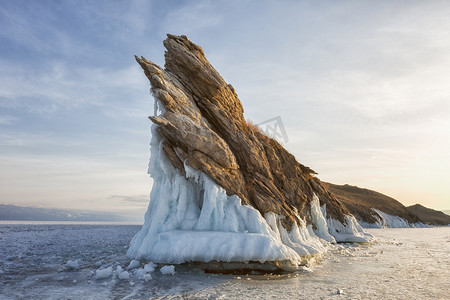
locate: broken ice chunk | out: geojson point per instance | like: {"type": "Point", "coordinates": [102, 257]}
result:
{"type": "Point", "coordinates": [168, 270]}
{"type": "Point", "coordinates": [133, 264]}
{"type": "Point", "coordinates": [73, 264]}
{"type": "Point", "coordinates": [103, 273]}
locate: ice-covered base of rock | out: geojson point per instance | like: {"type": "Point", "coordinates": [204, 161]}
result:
{"type": "Point", "coordinates": [390, 221]}
{"type": "Point", "coordinates": [192, 219]}
{"type": "Point", "coordinates": [350, 232]}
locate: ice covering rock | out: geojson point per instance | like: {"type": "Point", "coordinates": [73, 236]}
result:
{"type": "Point", "coordinates": [373, 209]}
{"type": "Point", "coordinates": [387, 220]}
{"type": "Point", "coordinates": [222, 190]}
{"type": "Point", "coordinates": [203, 126]}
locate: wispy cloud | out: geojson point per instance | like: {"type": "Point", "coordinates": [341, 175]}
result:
{"type": "Point", "coordinates": [194, 16]}
{"type": "Point", "coordinates": [136, 199]}
{"type": "Point", "coordinates": [7, 120]}
{"type": "Point", "coordinates": [63, 86]}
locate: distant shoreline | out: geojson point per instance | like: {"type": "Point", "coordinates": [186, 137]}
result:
{"type": "Point", "coordinates": [18, 222]}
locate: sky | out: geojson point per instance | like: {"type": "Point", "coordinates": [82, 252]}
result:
{"type": "Point", "coordinates": [362, 88]}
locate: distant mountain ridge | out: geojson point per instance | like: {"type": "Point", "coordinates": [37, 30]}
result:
{"type": "Point", "coordinates": [376, 209]}
{"type": "Point", "coordinates": [9, 212]}
{"type": "Point", "coordinates": [429, 216]}
{"type": "Point", "coordinates": [361, 202]}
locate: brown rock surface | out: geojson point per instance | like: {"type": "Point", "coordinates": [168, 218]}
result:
{"type": "Point", "coordinates": [429, 216]}
{"type": "Point", "coordinates": [360, 201]}
{"type": "Point", "coordinates": [203, 126]}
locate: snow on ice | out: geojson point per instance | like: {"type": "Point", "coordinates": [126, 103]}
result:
{"type": "Point", "coordinates": [398, 266]}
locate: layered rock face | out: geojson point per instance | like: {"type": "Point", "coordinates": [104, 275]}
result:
{"type": "Point", "coordinates": [203, 126]}
{"type": "Point", "coordinates": [223, 191]}
{"type": "Point", "coordinates": [373, 209]}
{"type": "Point", "coordinates": [430, 216]}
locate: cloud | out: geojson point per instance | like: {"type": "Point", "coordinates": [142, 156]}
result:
{"type": "Point", "coordinates": [61, 180]}
{"type": "Point", "coordinates": [64, 86]}
{"type": "Point", "coordinates": [7, 120]}
{"type": "Point", "coordinates": [64, 56]}
{"type": "Point", "coordinates": [136, 199]}
{"type": "Point", "coordinates": [193, 16]}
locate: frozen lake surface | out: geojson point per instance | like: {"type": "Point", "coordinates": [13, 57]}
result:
{"type": "Point", "coordinates": [402, 264]}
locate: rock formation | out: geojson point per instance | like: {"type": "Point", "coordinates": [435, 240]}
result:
{"type": "Point", "coordinates": [374, 209]}
{"type": "Point", "coordinates": [203, 126]}
{"type": "Point", "coordinates": [201, 131]}
{"type": "Point", "coordinates": [429, 216]}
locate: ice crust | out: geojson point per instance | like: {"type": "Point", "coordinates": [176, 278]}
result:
{"type": "Point", "coordinates": [32, 259]}
{"type": "Point", "coordinates": [193, 219]}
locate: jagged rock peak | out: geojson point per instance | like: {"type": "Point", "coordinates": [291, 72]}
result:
{"type": "Point", "coordinates": [203, 127]}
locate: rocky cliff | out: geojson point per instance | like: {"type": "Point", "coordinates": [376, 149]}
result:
{"type": "Point", "coordinates": [223, 191]}
{"type": "Point", "coordinates": [203, 126]}
{"type": "Point", "coordinates": [371, 207]}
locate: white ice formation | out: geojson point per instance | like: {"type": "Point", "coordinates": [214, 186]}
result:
{"type": "Point", "coordinates": [387, 220]}
{"type": "Point", "coordinates": [350, 232]}
{"type": "Point", "coordinates": [193, 219]}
